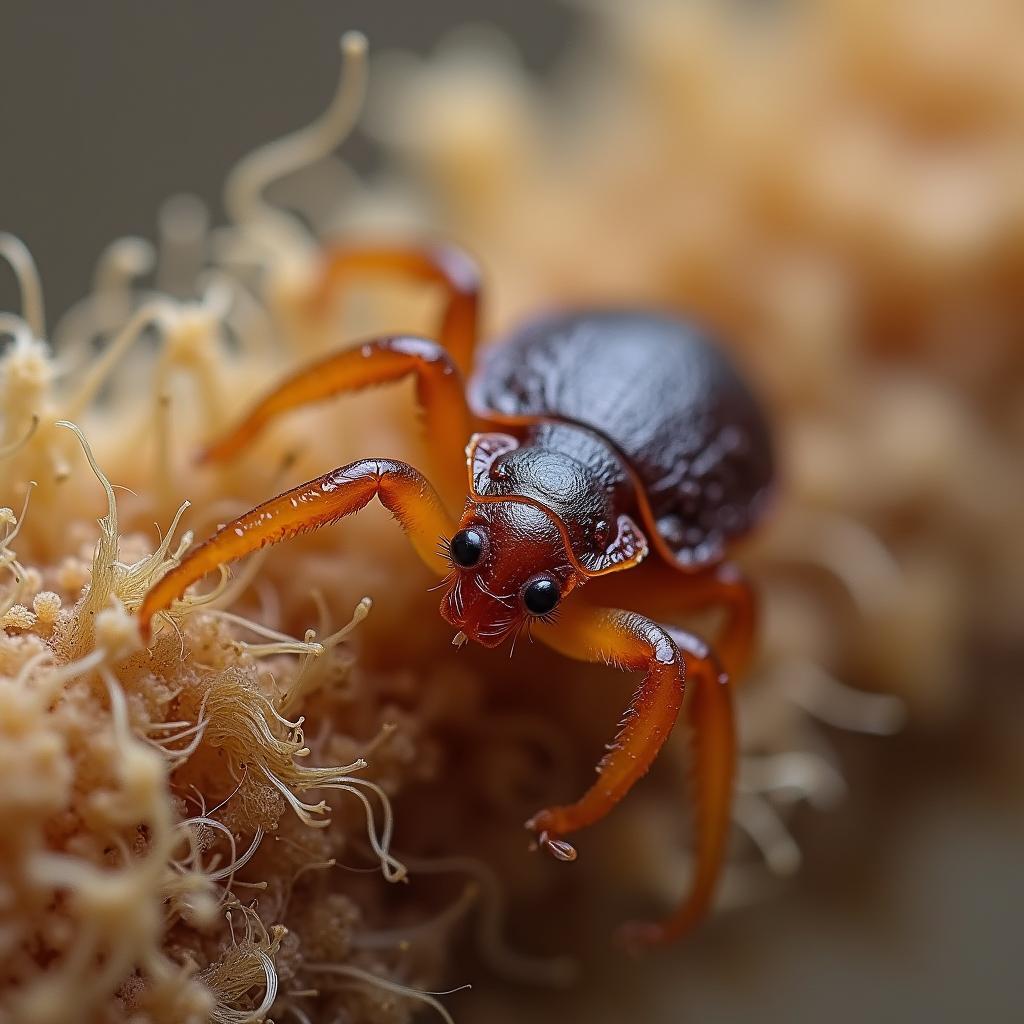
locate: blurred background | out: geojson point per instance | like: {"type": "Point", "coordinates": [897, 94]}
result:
{"type": "Point", "coordinates": [902, 399]}
{"type": "Point", "coordinates": [111, 108]}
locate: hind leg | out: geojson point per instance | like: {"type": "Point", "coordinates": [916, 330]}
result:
{"type": "Point", "coordinates": [442, 264]}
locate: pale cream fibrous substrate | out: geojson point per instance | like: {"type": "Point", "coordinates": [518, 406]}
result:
{"type": "Point", "coordinates": [166, 852]}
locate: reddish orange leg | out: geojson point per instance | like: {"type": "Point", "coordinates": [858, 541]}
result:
{"type": "Point", "coordinates": [663, 592]}
{"type": "Point", "coordinates": [726, 586]}
{"type": "Point", "coordinates": [628, 641]}
{"type": "Point", "coordinates": [439, 391]}
{"type": "Point", "coordinates": [402, 490]}
{"type": "Point", "coordinates": [709, 715]}
{"type": "Point", "coordinates": [443, 264]}
{"type": "Point", "coordinates": [631, 641]}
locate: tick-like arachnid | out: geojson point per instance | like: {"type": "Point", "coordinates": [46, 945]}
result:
{"type": "Point", "coordinates": [595, 438]}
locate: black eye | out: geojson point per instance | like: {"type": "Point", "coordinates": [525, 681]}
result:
{"type": "Point", "coordinates": [541, 595]}
{"type": "Point", "coordinates": [466, 547]}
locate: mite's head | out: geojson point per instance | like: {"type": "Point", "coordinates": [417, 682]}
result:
{"type": "Point", "coordinates": [509, 568]}
{"type": "Point", "coordinates": [539, 522]}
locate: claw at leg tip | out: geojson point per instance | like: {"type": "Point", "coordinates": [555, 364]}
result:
{"type": "Point", "coordinates": [558, 848]}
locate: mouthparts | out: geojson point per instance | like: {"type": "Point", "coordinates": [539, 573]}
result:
{"type": "Point", "coordinates": [459, 639]}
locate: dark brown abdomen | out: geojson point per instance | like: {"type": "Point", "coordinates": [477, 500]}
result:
{"type": "Point", "coordinates": [665, 395]}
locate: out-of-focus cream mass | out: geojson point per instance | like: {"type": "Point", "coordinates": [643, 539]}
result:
{"type": "Point", "coordinates": [294, 803]}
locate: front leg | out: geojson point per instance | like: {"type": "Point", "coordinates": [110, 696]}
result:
{"type": "Point", "coordinates": [711, 720]}
{"type": "Point", "coordinates": [402, 490]}
{"type": "Point", "coordinates": [630, 641]}
{"type": "Point", "coordinates": [662, 592]}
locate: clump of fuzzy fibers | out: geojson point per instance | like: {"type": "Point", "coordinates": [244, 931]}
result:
{"type": "Point", "coordinates": [203, 830]}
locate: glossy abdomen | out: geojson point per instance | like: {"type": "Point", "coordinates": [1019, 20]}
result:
{"type": "Point", "coordinates": [665, 395]}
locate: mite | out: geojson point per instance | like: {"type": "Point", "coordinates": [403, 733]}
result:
{"type": "Point", "coordinates": [611, 457]}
